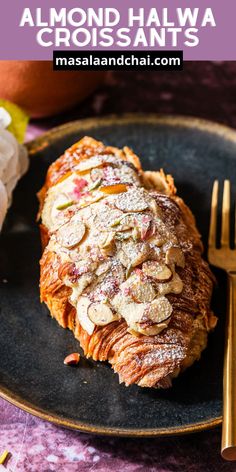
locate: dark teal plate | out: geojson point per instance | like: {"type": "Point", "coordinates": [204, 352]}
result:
{"type": "Point", "coordinates": [33, 346]}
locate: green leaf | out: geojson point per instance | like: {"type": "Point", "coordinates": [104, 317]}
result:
{"type": "Point", "coordinates": [19, 121]}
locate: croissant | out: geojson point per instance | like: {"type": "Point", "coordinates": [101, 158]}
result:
{"type": "Point", "coordinates": [122, 264]}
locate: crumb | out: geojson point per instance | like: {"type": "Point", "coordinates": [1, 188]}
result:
{"type": "Point", "coordinates": [72, 359]}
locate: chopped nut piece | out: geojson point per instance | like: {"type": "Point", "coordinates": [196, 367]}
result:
{"type": "Point", "coordinates": [159, 310]}
{"type": "Point", "coordinates": [159, 272]}
{"type": "Point", "coordinates": [65, 205]}
{"type": "Point", "coordinates": [136, 234]}
{"type": "Point", "coordinates": [174, 255]}
{"type": "Point", "coordinates": [124, 222]}
{"type": "Point", "coordinates": [123, 236]}
{"type": "Point", "coordinates": [113, 188]}
{"type": "Point", "coordinates": [95, 185]}
{"type": "Point", "coordinates": [71, 233]}
{"type": "Point", "coordinates": [72, 359]}
{"type": "Point", "coordinates": [100, 314]}
{"type": "Point", "coordinates": [4, 456]}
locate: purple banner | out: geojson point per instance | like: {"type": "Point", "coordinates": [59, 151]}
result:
{"type": "Point", "coordinates": [203, 29]}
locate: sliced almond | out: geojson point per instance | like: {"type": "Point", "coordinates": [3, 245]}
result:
{"type": "Point", "coordinates": [82, 313]}
{"type": "Point", "coordinates": [123, 222]}
{"type": "Point", "coordinates": [132, 200]}
{"type": "Point", "coordinates": [130, 311]}
{"type": "Point", "coordinates": [159, 272]}
{"type": "Point", "coordinates": [107, 239]}
{"type": "Point", "coordinates": [157, 240]}
{"type": "Point", "coordinates": [141, 292]}
{"type": "Point", "coordinates": [96, 174]}
{"type": "Point", "coordinates": [103, 268]}
{"type": "Point", "coordinates": [133, 332]}
{"type": "Point", "coordinates": [174, 286]}
{"type": "Point", "coordinates": [174, 255]}
{"type": "Point", "coordinates": [64, 177]}
{"type": "Point", "coordinates": [107, 244]}
{"type": "Point", "coordinates": [71, 233]}
{"type": "Point", "coordinates": [152, 330]}
{"type": "Point", "coordinates": [100, 314]}
{"type": "Point", "coordinates": [122, 257]}
{"type": "Point", "coordinates": [159, 310]}
{"type": "Point", "coordinates": [88, 200]}
{"type": "Point", "coordinates": [135, 253]}
{"type": "Point", "coordinates": [113, 188]}
{"type": "Point", "coordinates": [91, 163]}
{"type": "Point", "coordinates": [81, 284]}
{"type": "Point", "coordinates": [52, 217]}
{"type": "Point", "coordinates": [155, 209]}
{"type": "Point", "coordinates": [133, 313]}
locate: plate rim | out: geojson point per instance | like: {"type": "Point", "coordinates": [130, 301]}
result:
{"type": "Point", "coordinates": [29, 407]}
{"type": "Point", "coordinates": [39, 144]}
{"type": "Point", "coordinates": [187, 121]}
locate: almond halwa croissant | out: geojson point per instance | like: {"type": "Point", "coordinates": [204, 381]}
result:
{"type": "Point", "coordinates": [122, 264]}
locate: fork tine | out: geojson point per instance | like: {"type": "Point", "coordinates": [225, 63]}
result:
{"type": "Point", "coordinates": [213, 220]}
{"type": "Point", "coordinates": [225, 229]}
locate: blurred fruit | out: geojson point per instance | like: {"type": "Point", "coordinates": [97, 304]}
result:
{"type": "Point", "coordinates": [19, 119]}
{"type": "Point", "coordinates": [40, 91]}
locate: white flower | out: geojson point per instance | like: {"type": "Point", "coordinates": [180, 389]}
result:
{"type": "Point", "coordinates": [5, 118]}
{"type": "Point", "coordinates": [13, 163]}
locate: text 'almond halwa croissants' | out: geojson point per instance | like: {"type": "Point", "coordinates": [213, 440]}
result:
{"type": "Point", "coordinates": [122, 264]}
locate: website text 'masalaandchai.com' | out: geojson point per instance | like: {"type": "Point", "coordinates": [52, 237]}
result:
{"type": "Point", "coordinates": [116, 60]}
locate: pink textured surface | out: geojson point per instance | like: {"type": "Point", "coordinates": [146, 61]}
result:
{"type": "Point", "coordinates": [202, 89]}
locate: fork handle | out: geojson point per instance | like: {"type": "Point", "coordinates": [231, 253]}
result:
{"type": "Point", "coordinates": [228, 444]}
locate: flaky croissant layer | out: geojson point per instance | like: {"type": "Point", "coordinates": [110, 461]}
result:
{"type": "Point", "coordinates": [122, 264]}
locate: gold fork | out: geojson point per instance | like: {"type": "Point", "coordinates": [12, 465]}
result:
{"type": "Point", "coordinates": [225, 258]}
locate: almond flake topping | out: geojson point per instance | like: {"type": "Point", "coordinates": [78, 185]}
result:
{"type": "Point", "coordinates": [71, 233]}
{"type": "Point", "coordinates": [133, 200]}
{"type": "Point", "coordinates": [124, 252]}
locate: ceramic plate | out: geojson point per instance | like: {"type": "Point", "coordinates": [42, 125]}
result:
{"type": "Point", "coordinates": [33, 346]}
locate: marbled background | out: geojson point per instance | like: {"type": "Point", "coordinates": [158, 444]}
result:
{"type": "Point", "coordinates": [203, 89]}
